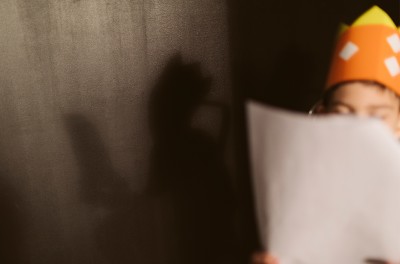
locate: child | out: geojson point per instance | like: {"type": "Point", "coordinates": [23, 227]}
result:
{"type": "Point", "coordinates": [364, 98]}
{"type": "Point", "coordinates": [364, 79]}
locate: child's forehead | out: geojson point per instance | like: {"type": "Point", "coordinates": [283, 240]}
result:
{"type": "Point", "coordinates": [361, 91]}
{"type": "Point", "coordinates": [362, 87]}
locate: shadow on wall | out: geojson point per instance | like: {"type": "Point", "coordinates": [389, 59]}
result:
{"type": "Point", "coordinates": [12, 241]}
{"type": "Point", "coordinates": [188, 176]}
{"type": "Point", "coordinates": [124, 234]}
{"type": "Point", "coordinates": [100, 183]}
{"type": "Point", "coordinates": [187, 166]}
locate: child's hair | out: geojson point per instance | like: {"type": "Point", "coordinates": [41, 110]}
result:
{"type": "Point", "coordinates": [327, 96]}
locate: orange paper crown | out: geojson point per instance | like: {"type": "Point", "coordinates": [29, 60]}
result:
{"type": "Point", "coordinates": [369, 50]}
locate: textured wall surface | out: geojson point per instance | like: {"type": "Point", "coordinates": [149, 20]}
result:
{"type": "Point", "coordinates": [114, 120]}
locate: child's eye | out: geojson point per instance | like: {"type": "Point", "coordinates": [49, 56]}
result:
{"type": "Point", "coordinates": [381, 117]}
{"type": "Point", "coordinates": [340, 110]}
{"type": "Point", "coordinates": [341, 113]}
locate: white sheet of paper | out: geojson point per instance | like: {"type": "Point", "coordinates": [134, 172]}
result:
{"type": "Point", "coordinates": [327, 189]}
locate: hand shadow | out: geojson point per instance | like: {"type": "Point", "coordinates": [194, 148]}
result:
{"type": "Point", "coordinates": [123, 234]}
{"type": "Point", "coordinates": [375, 261]}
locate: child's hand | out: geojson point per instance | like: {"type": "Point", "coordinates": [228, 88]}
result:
{"type": "Point", "coordinates": [378, 261]}
{"type": "Point", "coordinates": [263, 258]}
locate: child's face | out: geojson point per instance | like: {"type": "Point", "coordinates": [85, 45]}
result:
{"type": "Point", "coordinates": [367, 100]}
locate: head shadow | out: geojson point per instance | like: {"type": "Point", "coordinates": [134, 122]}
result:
{"type": "Point", "coordinates": [187, 166]}
{"type": "Point", "coordinates": [123, 232]}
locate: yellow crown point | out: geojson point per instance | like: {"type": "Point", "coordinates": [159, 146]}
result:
{"type": "Point", "coordinates": [375, 16]}
{"type": "Point", "coordinates": [343, 28]}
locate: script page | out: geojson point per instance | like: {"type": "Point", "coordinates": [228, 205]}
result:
{"type": "Point", "coordinates": [327, 189]}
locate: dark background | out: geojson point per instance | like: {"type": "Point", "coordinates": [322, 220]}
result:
{"type": "Point", "coordinates": [280, 56]}
{"type": "Point", "coordinates": [123, 136]}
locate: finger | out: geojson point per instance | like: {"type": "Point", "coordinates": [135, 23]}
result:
{"type": "Point", "coordinates": [377, 261]}
{"type": "Point", "coordinates": [259, 258]}
{"type": "Point", "coordinates": [272, 260]}
{"type": "Point", "coordinates": [263, 258]}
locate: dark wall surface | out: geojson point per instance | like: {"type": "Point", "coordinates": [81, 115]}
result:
{"type": "Point", "coordinates": [114, 131]}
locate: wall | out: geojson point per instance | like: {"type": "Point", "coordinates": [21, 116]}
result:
{"type": "Point", "coordinates": [117, 121]}
{"type": "Point", "coordinates": [114, 120]}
